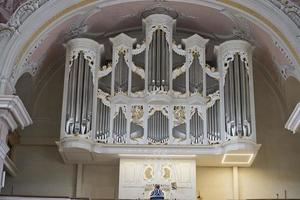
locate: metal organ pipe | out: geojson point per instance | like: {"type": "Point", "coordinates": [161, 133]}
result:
{"type": "Point", "coordinates": [103, 118]}
{"type": "Point", "coordinates": [78, 87]}
{"type": "Point", "coordinates": [78, 95]}
{"type": "Point", "coordinates": [158, 61]}
{"type": "Point", "coordinates": [119, 127]}
{"type": "Point", "coordinates": [121, 75]}
{"type": "Point", "coordinates": [196, 75]}
{"type": "Point", "coordinates": [196, 128]}
{"type": "Point", "coordinates": [236, 79]}
{"type": "Point", "coordinates": [158, 128]}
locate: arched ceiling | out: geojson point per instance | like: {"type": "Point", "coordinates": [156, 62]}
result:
{"type": "Point", "coordinates": [43, 51]}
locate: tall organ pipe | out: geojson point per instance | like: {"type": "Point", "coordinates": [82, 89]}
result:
{"type": "Point", "coordinates": [237, 104]}
{"type": "Point", "coordinates": [79, 95]}
{"type": "Point", "coordinates": [158, 61]}
{"type": "Point", "coordinates": [213, 128]}
{"type": "Point", "coordinates": [103, 117]}
{"type": "Point", "coordinates": [121, 75]}
{"type": "Point", "coordinates": [119, 127]}
{"type": "Point", "coordinates": [196, 128]}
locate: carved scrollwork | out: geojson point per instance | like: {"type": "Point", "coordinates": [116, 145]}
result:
{"type": "Point", "coordinates": [178, 49]}
{"type": "Point", "coordinates": [87, 53]}
{"type": "Point", "coordinates": [137, 113]}
{"type": "Point", "coordinates": [178, 71]}
{"type": "Point", "coordinates": [212, 98]}
{"type": "Point", "coordinates": [289, 8]}
{"type": "Point", "coordinates": [138, 70]}
{"type": "Point", "coordinates": [138, 94]}
{"type": "Point", "coordinates": [5, 33]}
{"type": "Point", "coordinates": [177, 94]}
{"type": "Point", "coordinates": [24, 11]}
{"type": "Point", "coordinates": [104, 97]}
{"type": "Point", "coordinates": [159, 27]}
{"type": "Point", "coordinates": [211, 71]}
{"type": "Point", "coordinates": [139, 49]}
{"type": "Point", "coordinates": [162, 108]}
{"type": "Point", "coordinates": [104, 70]}
{"type": "Point", "coordinates": [179, 114]}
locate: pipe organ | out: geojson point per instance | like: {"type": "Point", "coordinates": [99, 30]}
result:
{"type": "Point", "coordinates": [151, 100]}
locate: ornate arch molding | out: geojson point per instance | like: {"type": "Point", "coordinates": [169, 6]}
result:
{"type": "Point", "coordinates": [31, 22]}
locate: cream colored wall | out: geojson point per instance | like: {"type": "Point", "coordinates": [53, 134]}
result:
{"type": "Point", "coordinates": [43, 173]}
{"type": "Point", "coordinates": [214, 183]}
{"type": "Point", "coordinates": [277, 165]}
{"type": "Point", "coordinates": [100, 181]}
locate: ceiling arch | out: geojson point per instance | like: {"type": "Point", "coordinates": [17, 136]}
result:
{"type": "Point", "coordinates": [34, 37]}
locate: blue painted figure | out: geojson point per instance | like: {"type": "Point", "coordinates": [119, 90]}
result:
{"type": "Point", "coordinates": [157, 193]}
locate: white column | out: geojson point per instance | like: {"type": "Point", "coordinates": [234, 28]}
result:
{"type": "Point", "coordinates": [4, 129]}
{"type": "Point", "coordinates": [235, 183]}
{"type": "Point", "coordinates": [79, 180]}
{"type": "Point", "coordinates": [12, 115]}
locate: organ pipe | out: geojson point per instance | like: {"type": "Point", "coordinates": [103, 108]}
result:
{"type": "Point", "coordinates": [158, 62]}
{"type": "Point", "coordinates": [196, 128]}
{"type": "Point", "coordinates": [236, 98]}
{"type": "Point", "coordinates": [121, 75]}
{"type": "Point", "coordinates": [196, 76]}
{"type": "Point", "coordinates": [120, 127]}
{"type": "Point", "coordinates": [79, 90]}
{"type": "Point", "coordinates": [234, 59]}
{"type": "Point", "coordinates": [79, 96]}
{"type": "Point", "coordinates": [103, 118]}
{"type": "Point", "coordinates": [213, 123]}
{"type": "Point", "coordinates": [158, 128]}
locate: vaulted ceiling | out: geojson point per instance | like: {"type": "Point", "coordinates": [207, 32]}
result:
{"type": "Point", "coordinates": [46, 55]}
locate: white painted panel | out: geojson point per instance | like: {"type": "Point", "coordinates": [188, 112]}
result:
{"type": "Point", "coordinates": [137, 177]}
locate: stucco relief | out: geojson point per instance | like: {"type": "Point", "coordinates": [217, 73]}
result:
{"type": "Point", "coordinates": [289, 8]}
{"type": "Point", "coordinates": [7, 8]}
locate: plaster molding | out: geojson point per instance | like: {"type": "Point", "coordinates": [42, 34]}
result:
{"type": "Point", "coordinates": [13, 111]}
{"type": "Point", "coordinates": [289, 8]}
{"type": "Point", "coordinates": [9, 121]}
{"type": "Point", "coordinates": [24, 11]}
{"type": "Point", "coordinates": [3, 149]}
{"type": "Point", "coordinates": [293, 123]}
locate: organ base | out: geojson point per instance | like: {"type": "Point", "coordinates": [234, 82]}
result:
{"type": "Point", "coordinates": [238, 152]}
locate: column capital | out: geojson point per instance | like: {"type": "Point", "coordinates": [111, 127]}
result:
{"type": "Point", "coordinates": [293, 123]}
{"type": "Point", "coordinates": [3, 149]}
{"type": "Point", "coordinates": [13, 112]}
{"type": "Point", "coordinates": [6, 86]}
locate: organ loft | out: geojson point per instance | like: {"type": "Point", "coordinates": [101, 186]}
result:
{"type": "Point", "coordinates": [159, 95]}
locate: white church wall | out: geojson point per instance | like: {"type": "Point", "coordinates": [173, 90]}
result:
{"type": "Point", "coordinates": [214, 183]}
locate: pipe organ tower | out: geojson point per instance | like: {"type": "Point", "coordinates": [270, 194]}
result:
{"type": "Point", "coordinates": [143, 103]}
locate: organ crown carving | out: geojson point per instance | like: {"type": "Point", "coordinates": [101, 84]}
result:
{"type": "Point", "coordinates": [144, 97]}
